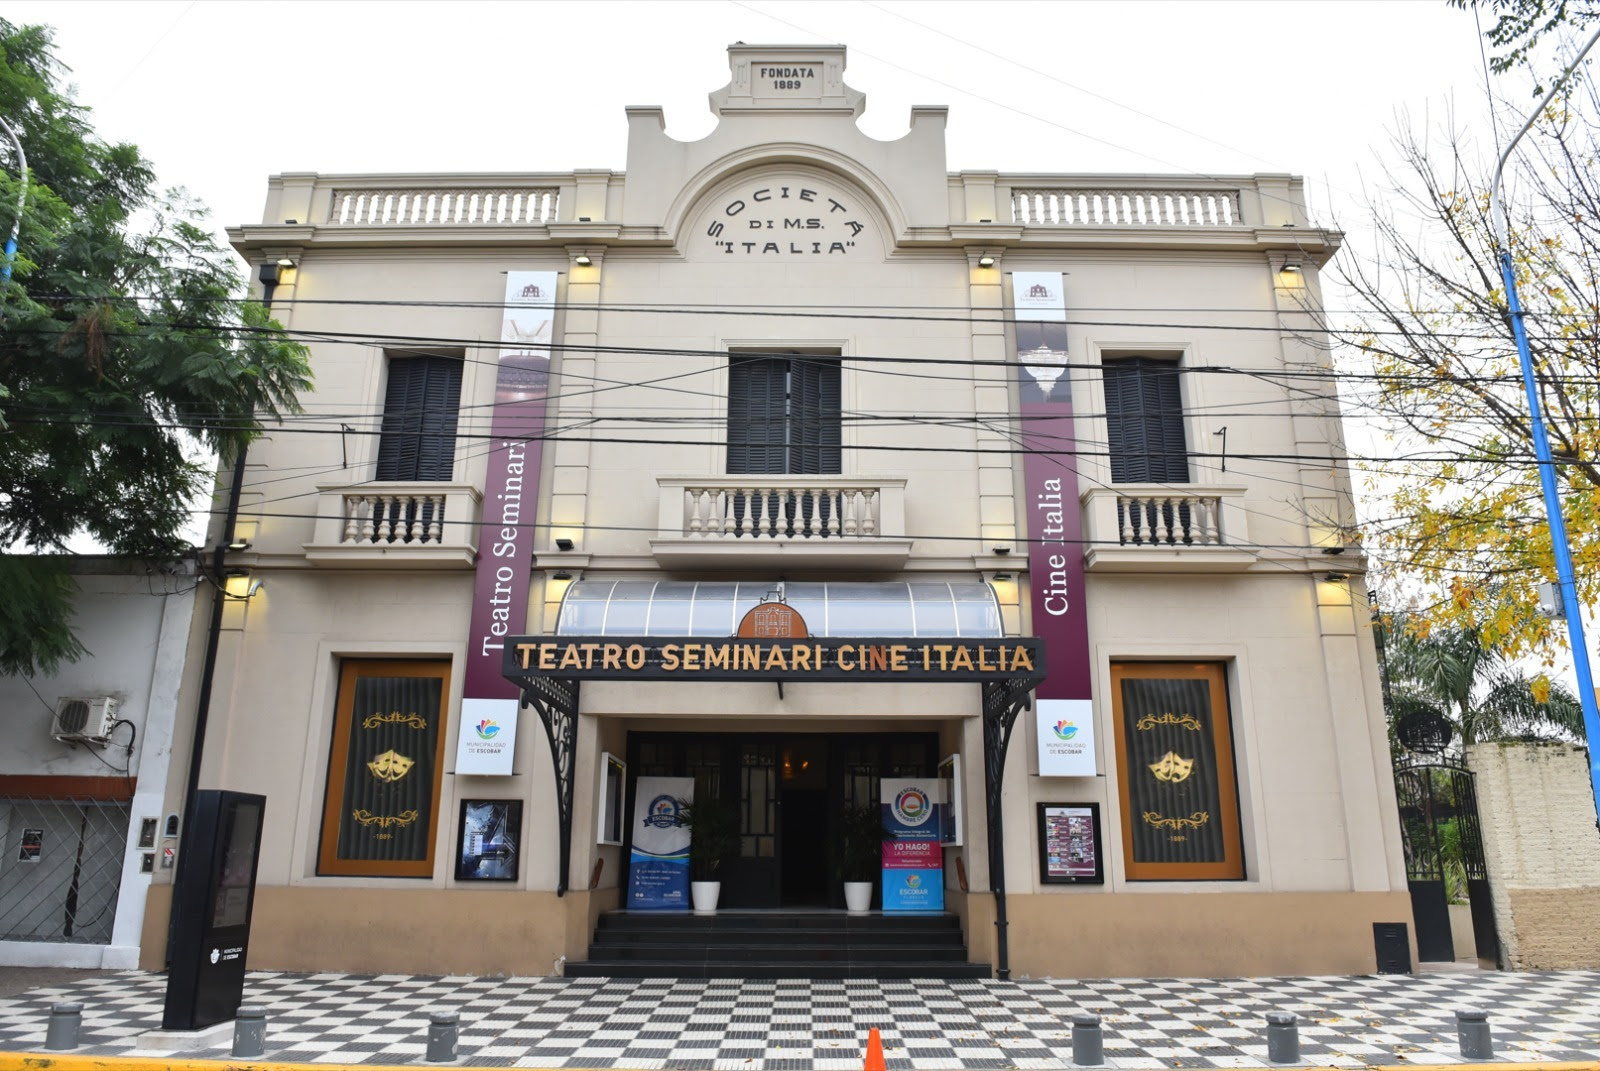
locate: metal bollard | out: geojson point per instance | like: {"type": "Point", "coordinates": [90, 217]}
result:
{"type": "Point", "coordinates": [65, 1021]}
{"type": "Point", "coordinates": [1472, 1030]}
{"type": "Point", "coordinates": [442, 1037]}
{"type": "Point", "coordinates": [1283, 1038]}
{"type": "Point", "coordinates": [249, 1031]}
{"type": "Point", "coordinates": [1088, 1043]}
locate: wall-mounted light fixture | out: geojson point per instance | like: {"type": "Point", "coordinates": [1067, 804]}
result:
{"type": "Point", "coordinates": [1291, 266]}
{"type": "Point", "coordinates": [238, 584]}
{"type": "Point", "coordinates": [285, 262]}
{"type": "Point", "coordinates": [1002, 550]}
{"type": "Point", "coordinates": [564, 543]}
{"type": "Point", "coordinates": [561, 574]}
{"type": "Point", "coordinates": [582, 260]}
{"type": "Point", "coordinates": [1004, 576]}
{"type": "Point", "coordinates": [986, 261]}
{"type": "Point", "coordinates": [1336, 578]}
{"type": "Point", "coordinates": [239, 544]}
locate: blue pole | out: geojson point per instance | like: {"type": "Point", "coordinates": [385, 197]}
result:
{"type": "Point", "coordinates": [1541, 448]}
{"type": "Point", "coordinates": [22, 200]}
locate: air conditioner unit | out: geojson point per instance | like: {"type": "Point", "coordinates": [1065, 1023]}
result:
{"type": "Point", "coordinates": [84, 719]}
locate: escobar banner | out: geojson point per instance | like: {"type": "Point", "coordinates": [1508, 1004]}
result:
{"type": "Point", "coordinates": [487, 740]}
{"type": "Point", "coordinates": [913, 857]}
{"type": "Point", "coordinates": [658, 869]}
{"type": "Point", "coordinates": [1055, 548]}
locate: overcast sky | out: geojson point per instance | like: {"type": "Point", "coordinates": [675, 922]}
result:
{"type": "Point", "coordinates": [220, 95]}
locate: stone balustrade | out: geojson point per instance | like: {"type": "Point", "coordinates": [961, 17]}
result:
{"type": "Point", "coordinates": [1157, 527]}
{"type": "Point", "coordinates": [1125, 208]}
{"type": "Point", "coordinates": [402, 524]}
{"type": "Point", "coordinates": [444, 206]}
{"type": "Point", "coordinates": [842, 521]}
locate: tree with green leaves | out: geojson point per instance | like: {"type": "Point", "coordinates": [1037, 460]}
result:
{"type": "Point", "coordinates": [1449, 673]}
{"type": "Point", "coordinates": [1459, 529]}
{"type": "Point", "coordinates": [128, 355]}
{"type": "Point", "coordinates": [1519, 25]}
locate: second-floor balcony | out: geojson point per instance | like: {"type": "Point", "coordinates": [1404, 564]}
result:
{"type": "Point", "coordinates": [401, 525]}
{"type": "Point", "coordinates": [1189, 528]}
{"type": "Point", "coordinates": [757, 521]}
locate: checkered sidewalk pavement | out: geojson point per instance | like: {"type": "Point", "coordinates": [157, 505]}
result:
{"type": "Point", "coordinates": [754, 1025]}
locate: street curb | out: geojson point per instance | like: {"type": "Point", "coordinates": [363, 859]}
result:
{"type": "Point", "coordinates": [26, 1061]}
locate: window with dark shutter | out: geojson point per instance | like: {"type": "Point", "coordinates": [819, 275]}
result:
{"type": "Point", "coordinates": [418, 440]}
{"type": "Point", "coordinates": [783, 414]}
{"type": "Point", "coordinates": [1144, 421]}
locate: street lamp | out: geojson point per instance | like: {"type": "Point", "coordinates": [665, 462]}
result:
{"type": "Point", "coordinates": [1541, 446]}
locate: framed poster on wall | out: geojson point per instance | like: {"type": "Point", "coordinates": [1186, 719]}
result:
{"type": "Point", "coordinates": [1069, 844]}
{"type": "Point", "coordinates": [488, 834]}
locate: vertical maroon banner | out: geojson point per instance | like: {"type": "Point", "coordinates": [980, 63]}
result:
{"type": "Point", "coordinates": [1055, 525]}
{"type": "Point", "coordinates": [506, 533]}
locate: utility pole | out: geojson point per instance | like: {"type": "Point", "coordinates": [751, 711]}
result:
{"type": "Point", "coordinates": [1541, 445]}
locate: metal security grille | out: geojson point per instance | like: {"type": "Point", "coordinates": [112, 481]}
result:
{"type": "Point", "coordinates": [60, 869]}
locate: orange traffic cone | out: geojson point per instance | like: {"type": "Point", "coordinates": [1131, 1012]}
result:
{"type": "Point", "coordinates": [874, 1053]}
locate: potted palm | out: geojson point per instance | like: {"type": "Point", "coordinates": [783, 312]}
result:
{"type": "Point", "coordinates": [713, 829]}
{"type": "Point", "coordinates": [861, 836]}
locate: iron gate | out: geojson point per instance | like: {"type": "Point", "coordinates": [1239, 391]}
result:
{"type": "Point", "coordinates": [1444, 852]}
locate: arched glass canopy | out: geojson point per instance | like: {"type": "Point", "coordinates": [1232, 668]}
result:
{"type": "Point", "coordinates": [714, 608]}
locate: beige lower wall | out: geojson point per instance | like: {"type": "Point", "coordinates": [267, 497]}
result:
{"type": "Point", "coordinates": [1153, 935]}
{"type": "Point", "coordinates": [1555, 929]}
{"type": "Point", "coordinates": [416, 931]}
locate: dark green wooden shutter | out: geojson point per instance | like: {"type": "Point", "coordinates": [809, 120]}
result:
{"type": "Point", "coordinates": [814, 416]}
{"type": "Point", "coordinates": [1144, 421]}
{"type": "Point", "coordinates": [419, 419]}
{"type": "Point", "coordinates": [756, 388]}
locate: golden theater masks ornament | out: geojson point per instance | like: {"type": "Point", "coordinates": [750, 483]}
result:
{"type": "Point", "coordinates": [391, 766]}
{"type": "Point", "coordinates": [1172, 768]}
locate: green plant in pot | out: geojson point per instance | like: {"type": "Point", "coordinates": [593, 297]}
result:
{"type": "Point", "coordinates": [713, 836]}
{"type": "Point", "coordinates": [861, 838]}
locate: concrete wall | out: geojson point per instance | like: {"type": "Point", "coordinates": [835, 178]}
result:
{"type": "Point", "coordinates": [1542, 850]}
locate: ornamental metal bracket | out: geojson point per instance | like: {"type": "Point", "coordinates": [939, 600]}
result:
{"type": "Point", "coordinates": [556, 700]}
{"type": "Point", "coordinates": [1002, 702]}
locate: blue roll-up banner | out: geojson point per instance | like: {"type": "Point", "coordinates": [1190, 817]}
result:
{"type": "Point", "coordinates": [913, 857]}
{"type": "Point", "coordinates": [658, 870]}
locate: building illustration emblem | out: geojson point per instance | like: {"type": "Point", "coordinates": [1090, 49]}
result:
{"type": "Point", "coordinates": [391, 766]}
{"type": "Point", "coordinates": [772, 621]}
{"type": "Point", "coordinates": [1172, 768]}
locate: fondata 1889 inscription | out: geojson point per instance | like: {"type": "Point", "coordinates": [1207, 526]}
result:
{"type": "Point", "coordinates": [785, 220]}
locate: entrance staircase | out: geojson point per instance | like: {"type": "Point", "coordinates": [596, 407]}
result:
{"type": "Point", "coordinates": [777, 944]}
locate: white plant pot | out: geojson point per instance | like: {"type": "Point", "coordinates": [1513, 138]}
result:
{"type": "Point", "coordinates": [704, 894]}
{"type": "Point", "coordinates": [858, 897]}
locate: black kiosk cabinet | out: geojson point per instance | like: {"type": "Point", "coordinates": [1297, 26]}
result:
{"type": "Point", "coordinates": [215, 890]}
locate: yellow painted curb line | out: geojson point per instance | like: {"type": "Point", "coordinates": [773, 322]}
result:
{"type": "Point", "coordinates": [26, 1061]}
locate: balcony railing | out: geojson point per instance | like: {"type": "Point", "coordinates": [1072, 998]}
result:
{"type": "Point", "coordinates": [1155, 527]}
{"type": "Point", "coordinates": [405, 525]}
{"type": "Point", "coordinates": [446, 206]}
{"type": "Point", "coordinates": [841, 521]}
{"type": "Point", "coordinates": [1126, 208]}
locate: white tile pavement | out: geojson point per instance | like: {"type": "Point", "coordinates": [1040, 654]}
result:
{"type": "Point", "coordinates": [753, 1025]}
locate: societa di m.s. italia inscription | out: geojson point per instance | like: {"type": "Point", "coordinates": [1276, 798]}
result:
{"type": "Point", "coordinates": [780, 220]}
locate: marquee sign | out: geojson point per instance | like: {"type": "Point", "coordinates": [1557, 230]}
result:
{"type": "Point", "coordinates": [785, 219]}
{"type": "Point", "coordinates": [923, 658]}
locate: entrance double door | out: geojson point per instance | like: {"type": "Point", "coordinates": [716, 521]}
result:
{"type": "Point", "coordinates": [789, 791]}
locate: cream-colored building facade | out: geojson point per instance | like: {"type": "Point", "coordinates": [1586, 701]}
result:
{"type": "Point", "coordinates": [872, 258]}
